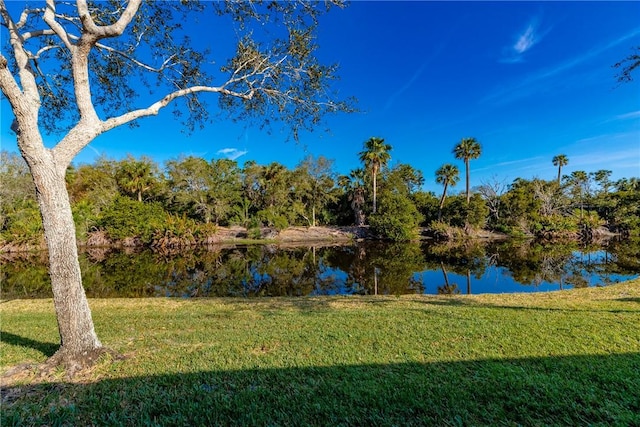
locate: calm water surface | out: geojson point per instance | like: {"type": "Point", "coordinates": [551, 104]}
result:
{"type": "Point", "coordinates": [363, 268]}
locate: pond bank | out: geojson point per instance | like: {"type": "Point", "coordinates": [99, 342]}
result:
{"type": "Point", "coordinates": [292, 235]}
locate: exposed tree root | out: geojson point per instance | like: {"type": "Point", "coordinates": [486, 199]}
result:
{"type": "Point", "coordinates": [75, 363]}
{"type": "Point", "coordinates": [62, 365]}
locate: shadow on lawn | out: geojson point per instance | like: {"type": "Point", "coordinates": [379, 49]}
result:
{"type": "Point", "coordinates": [451, 301]}
{"type": "Point", "coordinates": [573, 390]}
{"type": "Point", "coordinates": [46, 348]}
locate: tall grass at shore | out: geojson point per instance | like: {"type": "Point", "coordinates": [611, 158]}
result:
{"type": "Point", "coordinates": [561, 358]}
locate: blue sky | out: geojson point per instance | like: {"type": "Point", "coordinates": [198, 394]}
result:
{"type": "Point", "coordinates": [528, 80]}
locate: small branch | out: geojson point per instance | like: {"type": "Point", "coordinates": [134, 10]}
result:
{"type": "Point", "coordinates": [44, 49]}
{"type": "Point", "coordinates": [135, 61]}
{"type": "Point", "coordinates": [25, 15]}
{"type": "Point", "coordinates": [37, 33]}
{"type": "Point", "coordinates": [50, 19]}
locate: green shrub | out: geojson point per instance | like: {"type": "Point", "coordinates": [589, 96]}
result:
{"type": "Point", "coordinates": [126, 217]}
{"type": "Point", "coordinates": [440, 230]}
{"type": "Point", "coordinates": [556, 224]}
{"type": "Point", "coordinates": [84, 217]}
{"type": "Point", "coordinates": [23, 224]}
{"type": "Point", "coordinates": [460, 214]}
{"type": "Point", "coordinates": [273, 219]}
{"type": "Point", "coordinates": [397, 218]}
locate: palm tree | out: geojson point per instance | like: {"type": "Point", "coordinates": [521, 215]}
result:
{"type": "Point", "coordinates": [446, 175]}
{"type": "Point", "coordinates": [353, 185]}
{"type": "Point", "coordinates": [374, 156]}
{"type": "Point", "coordinates": [467, 149]}
{"type": "Point", "coordinates": [560, 160]}
{"type": "Point", "coordinates": [136, 177]}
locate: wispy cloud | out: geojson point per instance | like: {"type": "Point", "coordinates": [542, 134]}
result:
{"type": "Point", "coordinates": [622, 117]}
{"type": "Point", "coordinates": [614, 159]}
{"type": "Point", "coordinates": [631, 115]}
{"type": "Point", "coordinates": [535, 82]}
{"type": "Point", "coordinates": [605, 138]}
{"type": "Point", "coordinates": [524, 41]}
{"type": "Point", "coordinates": [232, 153]}
{"type": "Point", "coordinates": [407, 85]}
{"type": "Point", "coordinates": [524, 164]}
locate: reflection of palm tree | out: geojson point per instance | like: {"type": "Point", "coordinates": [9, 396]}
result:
{"type": "Point", "coordinates": [448, 288]}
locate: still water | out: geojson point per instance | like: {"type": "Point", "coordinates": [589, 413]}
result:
{"type": "Point", "coordinates": [363, 269]}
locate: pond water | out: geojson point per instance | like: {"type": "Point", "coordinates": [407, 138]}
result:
{"type": "Point", "coordinates": [363, 268]}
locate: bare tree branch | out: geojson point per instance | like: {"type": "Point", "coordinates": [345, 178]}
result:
{"type": "Point", "coordinates": [154, 108]}
{"type": "Point", "coordinates": [113, 30]}
{"type": "Point", "coordinates": [85, 131]}
{"type": "Point", "coordinates": [37, 33]}
{"type": "Point", "coordinates": [50, 19]}
{"type": "Point", "coordinates": [27, 76]}
{"type": "Point", "coordinates": [164, 64]}
{"type": "Point", "coordinates": [25, 15]}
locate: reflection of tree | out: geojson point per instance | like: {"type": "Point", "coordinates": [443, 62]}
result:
{"type": "Point", "coordinates": [447, 288]}
{"type": "Point", "coordinates": [382, 268]}
{"type": "Point", "coordinates": [25, 277]}
{"type": "Point", "coordinates": [270, 271]}
{"type": "Point", "coordinates": [535, 263]}
{"type": "Point", "coordinates": [395, 266]}
{"type": "Point", "coordinates": [464, 258]}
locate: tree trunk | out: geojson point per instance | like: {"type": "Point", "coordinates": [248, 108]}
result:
{"type": "Point", "coordinates": [313, 216]}
{"type": "Point", "coordinates": [466, 163]}
{"type": "Point", "coordinates": [79, 344]}
{"type": "Point", "coordinates": [375, 189]}
{"type": "Point", "coordinates": [444, 194]}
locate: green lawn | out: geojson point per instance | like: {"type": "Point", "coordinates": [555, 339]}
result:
{"type": "Point", "coordinates": [560, 358]}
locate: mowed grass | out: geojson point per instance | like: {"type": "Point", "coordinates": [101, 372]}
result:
{"type": "Point", "coordinates": [560, 358]}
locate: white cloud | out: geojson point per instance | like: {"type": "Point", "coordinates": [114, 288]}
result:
{"type": "Point", "coordinates": [232, 153]}
{"type": "Point", "coordinates": [525, 40]}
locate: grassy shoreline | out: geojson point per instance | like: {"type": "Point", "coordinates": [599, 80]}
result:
{"type": "Point", "coordinates": [570, 357]}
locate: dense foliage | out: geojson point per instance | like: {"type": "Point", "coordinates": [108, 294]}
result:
{"type": "Point", "coordinates": [185, 199]}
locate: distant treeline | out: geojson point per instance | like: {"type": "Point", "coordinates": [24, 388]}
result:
{"type": "Point", "coordinates": [185, 199]}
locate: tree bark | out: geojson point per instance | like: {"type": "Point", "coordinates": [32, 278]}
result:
{"type": "Point", "coordinates": [78, 340]}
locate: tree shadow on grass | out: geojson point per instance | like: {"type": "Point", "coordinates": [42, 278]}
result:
{"type": "Point", "coordinates": [621, 308]}
{"type": "Point", "coordinates": [573, 390]}
{"type": "Point", "coordinates": [46, 348]}
{"type": "Point", "coordinates": [637, 300]}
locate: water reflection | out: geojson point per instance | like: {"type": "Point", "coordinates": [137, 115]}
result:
{"type": "Point", "coordinates": [363, 268]}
